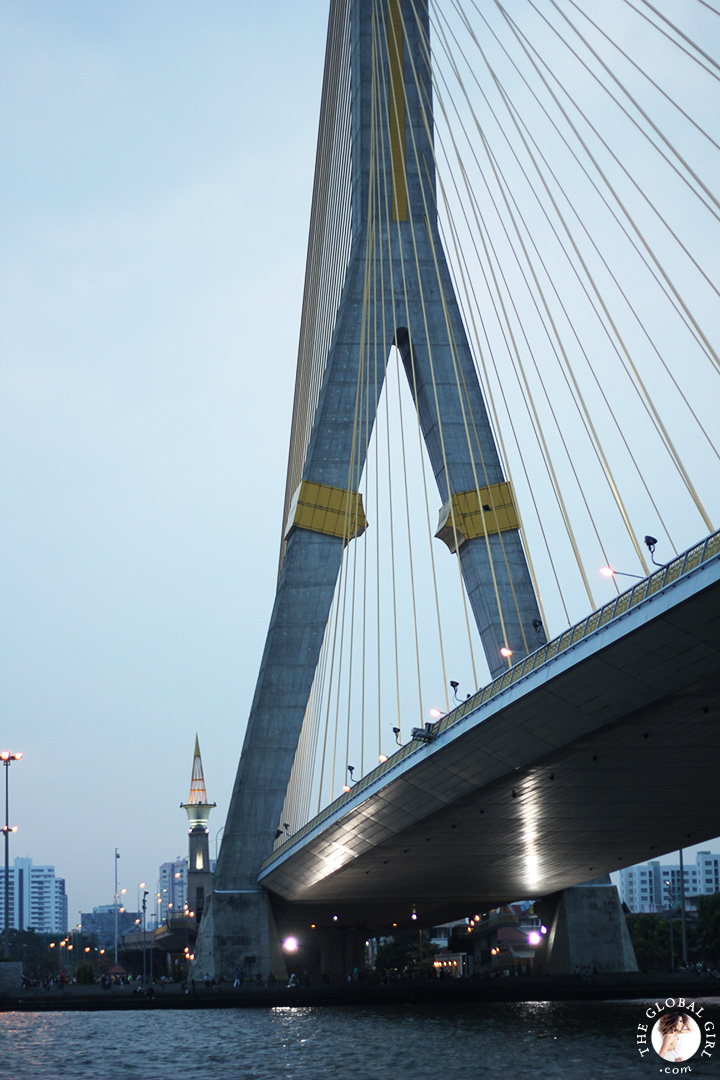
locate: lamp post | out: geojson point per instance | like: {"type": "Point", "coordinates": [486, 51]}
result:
{"type": "Point", "coordinates": [179, 887]}
{"type": "Point", "coordinates": [116, 907]}
{"type": "Point", "coordinates": [158, 904]}
{"type": "Point", "coordinates": [672, 900]}
{"type": "Point", "coordinates": [144, 906]}
{"type": "Point", "coordinates": [7, 758]}
{"type": "Point", "coordinates": [682, 897]}
{"type": "Point", "coordinates": [220, 830]}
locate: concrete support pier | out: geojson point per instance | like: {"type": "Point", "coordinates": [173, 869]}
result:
{"type": "Point", "coordinates": [586, 930]}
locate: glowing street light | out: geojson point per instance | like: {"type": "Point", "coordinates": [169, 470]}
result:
{"type": "Point", "coordinates": [608, 572]}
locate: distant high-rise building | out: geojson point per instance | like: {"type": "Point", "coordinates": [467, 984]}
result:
{"type": "Point", "coordinates": [101, 923]}
{"type": "Point", "coordinates": [172, 888]}
{"type": "Point", "coordinates": [655, 886]}
{"type": "Point", "coordinates": [36, 898]}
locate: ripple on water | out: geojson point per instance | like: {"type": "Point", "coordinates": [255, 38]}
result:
{"type": "Point", "coordinates": [474, 1041]}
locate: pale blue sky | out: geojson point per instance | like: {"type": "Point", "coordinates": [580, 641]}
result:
{"type": "Point", "coordinates": [157, 167]}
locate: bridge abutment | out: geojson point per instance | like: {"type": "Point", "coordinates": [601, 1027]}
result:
{"type": "Point", "coordinates": [238, 930]}
{"type": "Point", "coordinates": [586, 930]}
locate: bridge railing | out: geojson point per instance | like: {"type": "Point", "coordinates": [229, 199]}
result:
{"type": "Point", "coordinates": [662, 578]}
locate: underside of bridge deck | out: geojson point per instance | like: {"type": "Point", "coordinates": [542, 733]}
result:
{"type": "Point", "coordinates": [607, 759]}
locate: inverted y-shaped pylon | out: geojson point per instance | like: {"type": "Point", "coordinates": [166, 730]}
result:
{"type": "Point", "coordinates": [376, 277]}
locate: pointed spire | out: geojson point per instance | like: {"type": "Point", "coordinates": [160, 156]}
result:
{"type": "Point", "coordinates": [198, 794]}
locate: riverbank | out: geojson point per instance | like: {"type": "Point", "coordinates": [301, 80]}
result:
{"type": "Point", "coordinates": [366, 993]}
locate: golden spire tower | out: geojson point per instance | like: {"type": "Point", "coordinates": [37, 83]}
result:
{"type": "Point", "coordinates": [199, 881]}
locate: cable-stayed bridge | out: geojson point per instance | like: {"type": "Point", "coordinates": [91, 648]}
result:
{"type": "Point", "coordinates": [553, 773]}
{"type": "Point", "coordinates": [515, 207]}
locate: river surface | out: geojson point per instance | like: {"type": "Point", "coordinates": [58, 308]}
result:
{"type": "Point", "coordinates": [471, 1041]}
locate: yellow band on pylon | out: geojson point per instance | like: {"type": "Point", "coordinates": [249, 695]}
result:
{"type": "Point", "coordinates": [493, 512]}
{"type": "Point", "coordinates": [325, 509]}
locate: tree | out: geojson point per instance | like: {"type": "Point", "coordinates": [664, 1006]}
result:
{"type": "Point", "coordinates": [86, 975]}
{"type": "Point", "coordinates": [708, 928]}
{"type": "Point", "coordinates": [32, 949]}
{"type": "Point", "coordinates": [650, 936]}
{"type": "Point", "coordinates": [412, 951]}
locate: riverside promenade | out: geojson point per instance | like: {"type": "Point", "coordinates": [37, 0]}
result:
{"type": "Point", "coordinates": [368, 993]}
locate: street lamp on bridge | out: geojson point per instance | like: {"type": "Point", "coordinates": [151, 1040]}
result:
{"type": "Point", "coordinates": [7, 758]}
{"type": "Point", "coordinates": [144, 907]}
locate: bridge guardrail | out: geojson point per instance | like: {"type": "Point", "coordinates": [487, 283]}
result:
{"type": "Point", "coordinates": [662, 578]}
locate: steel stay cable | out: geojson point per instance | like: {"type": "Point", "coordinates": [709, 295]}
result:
{"type": "Point", "coordinates": [323, 269]}
{"type": "Point", "coordinates": [431, 364]}
{"type": "Point", "coordinates": [453, 347]}
{"type": "Point", "coordinates": [385, 95]}
{"type": "Point", "coordinates": [637, 105]}
{"type": "Point", "coordinates": [647, 398]}
{"type": "Point", "coordinates": [518, 119]}
{"type": "Point", "coordinates": [354, 482]}
{"type": "Point", "coordinates": [462, 263]}
{"type": "Point", "coordinates": [678, 32]}
{"type": "Point", "coordinates": [637, 67]}
{"type": "Point", "coordinates": [377, 69]}
{"type": "Point", "coordinates": [468, 311]}
{"type": "Point", "coordinates": [373, 338]}
{"type": "Point", "coordinates": [374, 107]}
{"type": "Point", "coordinates": [523, 43]}
{"type": "Point", "coordinates": [531, 570]}
{"type": "Point", "coordinates": [430, 536]}
{"type": "Point", "coordinates": [566, 370]}
{"type": "Point", "coordinates": [342, 583]}
{"type": "Point", "coordinates": [679, 310]}
{"type": "Point", "coordinates": [528, 397]}
{"type": "Point", "coordinates": [464, 397]}
{"type": "Point", "coordinates": [357, 456]}
{"type": "Point", "coordinates": [418, 428]}
{"type": "Point", "coordinates": [473, 307]}
{"type": "Point", "coordinates": [537, 426]}
{"type": "Point", "coordinates": [625, 351]}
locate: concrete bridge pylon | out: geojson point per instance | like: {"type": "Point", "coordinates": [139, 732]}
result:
{"type": "Point", "coordinates": [376, 169]}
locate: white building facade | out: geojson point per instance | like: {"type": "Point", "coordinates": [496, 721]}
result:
{"type": "Point", "coordinates": [655, 886]}
{"type": "Point", "coordinates": [36, 899]}
{"type": "Point", "coordinates": [171, 888]}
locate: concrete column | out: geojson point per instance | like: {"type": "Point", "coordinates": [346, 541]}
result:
{"type": "Point", "coordinates": [239, 919]}
{"type": "Point", "coordinates": [586, 929]}
{"type": "Point", "coordinates": [342, 949]}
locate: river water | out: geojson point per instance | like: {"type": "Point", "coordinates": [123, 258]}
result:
{"type": "Point", "coordinates": [471, 1041]}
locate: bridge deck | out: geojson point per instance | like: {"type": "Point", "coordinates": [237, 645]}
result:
{"type": "Point", "coordinates": [604, 755]}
